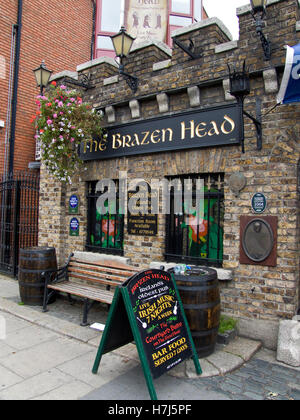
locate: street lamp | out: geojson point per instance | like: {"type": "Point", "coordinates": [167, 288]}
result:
{"type": "Point", "coordinates": [42, 76]}
{"type": "Point", "coordinates": [122, 43]}
{"type": "Point", "coordinates": [259, 12]}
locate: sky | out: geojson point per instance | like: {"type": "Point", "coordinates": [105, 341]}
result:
{"type": "Point", "coordinates": [225, 10]}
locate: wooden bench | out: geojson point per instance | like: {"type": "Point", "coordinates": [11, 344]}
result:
{"type": "Point", "coordinates": [90, 280]}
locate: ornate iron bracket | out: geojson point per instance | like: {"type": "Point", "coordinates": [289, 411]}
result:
{"type": "Point", "coordinates": [132, 81]}
{"type": "Point", "coordinates": [257, 122]}
{"type": "Point", "coordinates": [188, 50]}
{"type": "Point", "coordinates": [83, 81]}
{"type": "Point", "coordinates": [266, 45]}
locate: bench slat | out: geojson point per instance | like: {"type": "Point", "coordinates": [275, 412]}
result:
{"type": "Point", "coordinates": [96, 280]}
{"type": "Point", "coordinates": [103, 276]}
{"type": "Point", "coordinates": [101, 269]}
{"type": "Point", "coordinates": [107, 265]}
{"type": "Point", "coordinates": [95, 276]}
{"type": "Point", "coordinates": [89, 292]}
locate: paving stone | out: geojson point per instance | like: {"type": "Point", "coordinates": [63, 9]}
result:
{"type": "Point", "coordinates": [253, 387]}
{"type": "Point", "coordinates": [8, 378]}
{"type": "Point", "coordinates": [29, 336]}
{"type": "Point", "coordinates": [67, 392]}
{"type": "Point", "coordinates": [243, 348]}
{"type": "Point", "coordinates": [253, 396]}
{"type": "Point", "coordinates": [36, 385]}
{"type": "Point", "coordinates": [295, 394]}
{"type": "Point", "coordinates": [225, 362]}
{"type": "Point", "coordinates": [32, 361]}
{"type": "Point", "coordinates": [226, 386]}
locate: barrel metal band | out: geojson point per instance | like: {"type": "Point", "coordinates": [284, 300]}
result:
{"type": "Point", "coordinates": [202, 305]}
{"type": "Point", "coordinates": [22, 283]}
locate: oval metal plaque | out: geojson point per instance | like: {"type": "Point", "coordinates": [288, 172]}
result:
{"type": "Point", "coordinates": [258, 240]}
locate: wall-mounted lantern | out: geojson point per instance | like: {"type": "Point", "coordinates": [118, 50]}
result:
{"type": "Point", "coordinates": [240, 88]}
{"type": "Point", "coordinates": [122, 43]}
{"type": "Point", "coordinates": [42, 76]}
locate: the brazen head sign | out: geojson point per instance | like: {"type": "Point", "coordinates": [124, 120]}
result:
{"type": "Point", "coordinates": [159, 319]}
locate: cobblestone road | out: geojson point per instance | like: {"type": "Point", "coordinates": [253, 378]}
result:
{"type": "Point", "coordinates": [257, 380]}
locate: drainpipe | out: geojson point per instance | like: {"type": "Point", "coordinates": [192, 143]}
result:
{"type": "Point", "coordinates": [93, 29]}
{"type": "Point", "coordinates": [18, 28]}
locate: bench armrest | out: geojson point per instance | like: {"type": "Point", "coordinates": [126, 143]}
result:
{"type": "Point", "coordinates": [58, 275]}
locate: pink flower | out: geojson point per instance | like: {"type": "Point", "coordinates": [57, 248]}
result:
{"type": "Point", "coordinates": [60, 104]}
{"type": "Point", "coordinates": [49, 122]}
{"type": "Point", "coordinates": [54, 115]}
{"type": "Point", "coordinates": [63, 87]}
{"type": "Point", "coordinates": [72, 139]}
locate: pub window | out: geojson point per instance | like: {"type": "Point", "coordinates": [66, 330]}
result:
{"type": "Point", "coordinates": [194, 241]}
{"type": "Point", "coordinates": [105, 229]}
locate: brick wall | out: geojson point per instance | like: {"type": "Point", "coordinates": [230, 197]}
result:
{"type": "Point", "coordinates": [255, 293]}
{"type": "Point", "coordinates": [56, 32]}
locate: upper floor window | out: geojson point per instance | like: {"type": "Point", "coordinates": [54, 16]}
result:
{"type": "Point", "coordinates": [170, 15]}
{"type": "Point", "coordinates": [181, 6]}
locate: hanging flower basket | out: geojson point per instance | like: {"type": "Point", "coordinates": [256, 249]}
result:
{"type": "Point", "coordinates": [62, 122]}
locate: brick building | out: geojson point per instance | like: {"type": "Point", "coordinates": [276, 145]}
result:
{"type": "Point", "coordinates": [31, 32]}
{"type": "Point", "coordinates": [143, 143]}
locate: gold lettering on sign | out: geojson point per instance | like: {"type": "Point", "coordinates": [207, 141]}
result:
{"type": "Point", "coordinates": [91, 143]}
{"type": "Point", "coordinates": [102, 145]}
{"type": "Point", "coordinates": [155, 136]}
{"type": "Point", "coordinates": [214, 130]}
{"type": "Point", "coordinates": [201, 130]}
{"type": "Point", "coordinates": [126, 141]}
{"type": "Point", "coordinates": [231, 122]}
{"type": "Point", "coordinates": [170, 131]}
{"type": "Point", "coordinates": [191, 128]}
{"type": "Point", "coordinates": [146, 134]}
{"type": "Point", "coordinates": [116, 139]}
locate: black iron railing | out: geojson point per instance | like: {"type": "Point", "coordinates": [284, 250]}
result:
{"type": "Point", "coordinates": [19, 205]}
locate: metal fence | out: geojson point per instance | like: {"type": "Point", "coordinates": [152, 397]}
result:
{"type": "Point", "coordinates": [19, 203]}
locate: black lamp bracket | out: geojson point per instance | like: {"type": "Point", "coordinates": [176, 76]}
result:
{"type": "Point", "coordinates": [83, 81]}
{"type": "Point", "coordinates": [188, 50]}
{"type": "Point", "coordinates": [257, 122]}
{"type": "Point", "coordinates": [259, 24]}
{"type": "Point", "coordinates": [132, 81]}
{"type": "Point", "coordinates": [240, 88]}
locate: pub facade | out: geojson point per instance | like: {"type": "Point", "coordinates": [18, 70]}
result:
{"type": "Point", "coordinates": [181, 126]}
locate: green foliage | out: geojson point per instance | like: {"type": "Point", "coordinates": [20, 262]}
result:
{"type": "Point", "coordinates": [62, 123]}
{"type": "Point", "coordinates": [226, 324]}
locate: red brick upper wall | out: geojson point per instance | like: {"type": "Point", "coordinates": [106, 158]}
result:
{"type": "Point", "coordinates": [59, 32]}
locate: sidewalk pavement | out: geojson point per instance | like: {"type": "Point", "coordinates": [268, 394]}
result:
{"type": "Point", "coordinates": [48, 356]}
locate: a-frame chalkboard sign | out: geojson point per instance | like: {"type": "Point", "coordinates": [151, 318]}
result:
{"type": "Point", "coordinates": [147, 309]}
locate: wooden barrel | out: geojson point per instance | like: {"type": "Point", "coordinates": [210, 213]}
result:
{"type": "Point", "coordinates": [200, 295]}
{"type": "Point", "coordinates": [32, 262]}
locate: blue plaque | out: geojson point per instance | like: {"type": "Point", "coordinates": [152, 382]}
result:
{"type": "Point", "coordinates": [74, 227]}
{"type": "Point", "coordinates": [73, 204]}
{"type": "Point", "coordinates": [259, 203]}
